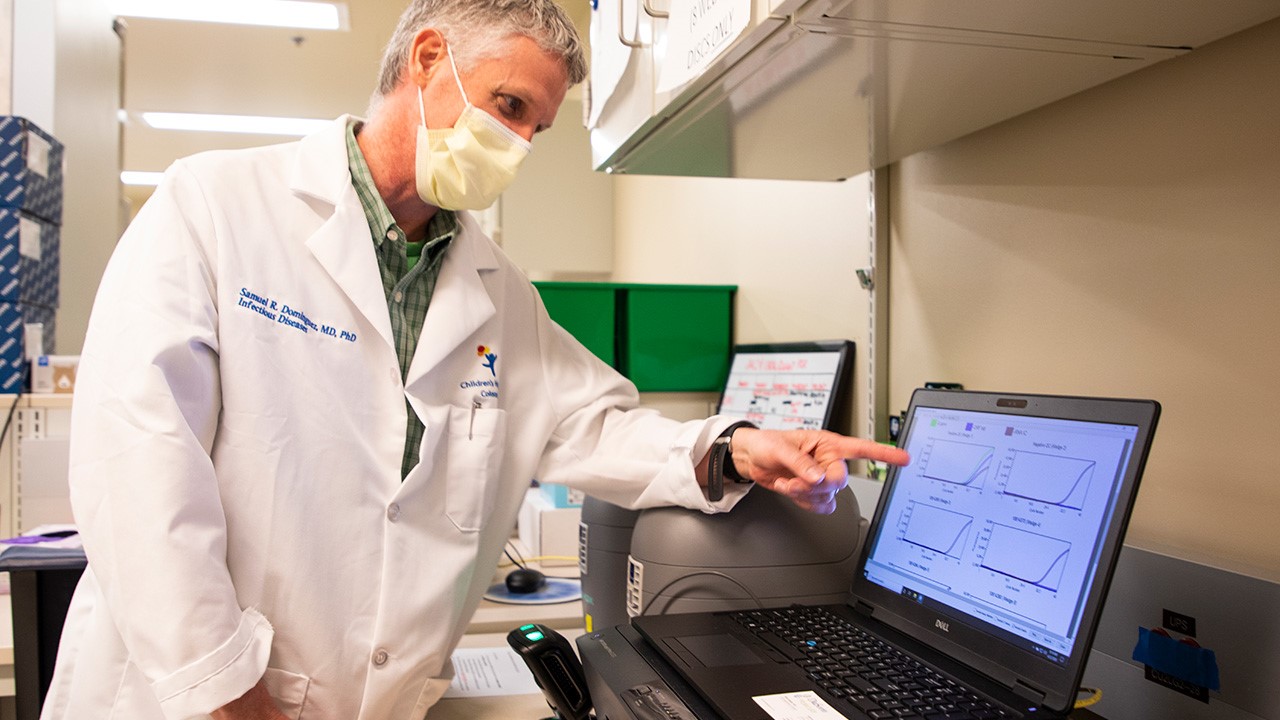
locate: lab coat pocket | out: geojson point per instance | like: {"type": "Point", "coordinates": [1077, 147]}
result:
{"type": "Point", "coordinates": [476, 439]}
{"type": "Point", "coordinates": [288, 689]}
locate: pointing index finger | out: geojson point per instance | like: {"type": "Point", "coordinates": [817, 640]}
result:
{"type": "Point", "coordinates": [862, 449]}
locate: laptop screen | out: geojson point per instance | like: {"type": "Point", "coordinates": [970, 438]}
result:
{"type": "Point", "coordinates": [1000, 521]}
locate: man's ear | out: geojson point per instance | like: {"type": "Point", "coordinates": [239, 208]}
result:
{"type": "Point", "coordinates": [427, 52]}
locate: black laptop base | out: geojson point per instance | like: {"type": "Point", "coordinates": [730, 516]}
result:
{"type": "Point", "coordinates": [629, 681]}
{"type": "Point", "coordinates": [860, 668]}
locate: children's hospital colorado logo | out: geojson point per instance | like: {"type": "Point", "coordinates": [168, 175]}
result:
{"type": "Point", "coordinates": [490, 359]}
{"type": "Point", "coordinates": [488, 387]}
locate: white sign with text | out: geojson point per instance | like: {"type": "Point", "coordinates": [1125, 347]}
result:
{"type": "Point", "coordinates": [698, 31]}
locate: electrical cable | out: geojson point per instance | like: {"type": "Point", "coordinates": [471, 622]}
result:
{"type": "Point", "coordinates": [12, 409]}
{"type": "Point", "coordinates": [509, 548]}
{"type": "Point", "coordinates": [715, 573]}
{"type": "Point", "coordinates": [1091, 700]}
{"type": "Point", "coordinates": [539, 558]}
{"type": "Point", "coordinates": [516, 549]}
{"type": "Point", "coordinates": [514, 561]}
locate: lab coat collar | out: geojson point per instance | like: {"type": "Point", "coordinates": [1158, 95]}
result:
{"type": "Point", "coordinates": [460, 304]}
{"type": "Point", "coordinates": [321, 172]}
{"type": "Point", "coordinates": [320, 169]}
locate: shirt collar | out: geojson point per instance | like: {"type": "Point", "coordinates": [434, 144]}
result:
{"type": "Point", "coordinates": [442, 226]}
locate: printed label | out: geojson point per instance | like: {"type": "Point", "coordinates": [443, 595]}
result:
{"type": "Point", "coordinates": [1178, 685]}
{"type": "Point", "coordinates": [29, 238]}
{"type": "Point", "coordinates": [797, 706]}
{"type": "Point", "coordinates": [1179, 623]}
{"type": "Point", "coordinates": [38, 154]}
{"type": "Point", "coordinates": [33, 338]}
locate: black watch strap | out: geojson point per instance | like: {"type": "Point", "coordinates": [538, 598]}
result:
{"type": "Point", "coordinates": [720, 463]}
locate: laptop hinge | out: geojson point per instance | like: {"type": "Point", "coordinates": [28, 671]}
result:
{"type": "Point", "coordinates": [862, 607]}
{"type": "Point", "coordinates": [1035, 695]}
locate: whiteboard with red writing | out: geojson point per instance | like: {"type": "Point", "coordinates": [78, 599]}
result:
{"type": "Point", "coordinates": [787, 386]}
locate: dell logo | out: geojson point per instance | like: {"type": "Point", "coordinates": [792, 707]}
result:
{"type": "Point", "coordinates": [944, 627]}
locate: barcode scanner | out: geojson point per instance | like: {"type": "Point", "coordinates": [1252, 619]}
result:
{"type": "Point", "coordinates": [555, 668]}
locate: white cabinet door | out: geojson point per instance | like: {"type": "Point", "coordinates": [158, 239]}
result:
{"type": "Point", "coordinates": [631, 42]}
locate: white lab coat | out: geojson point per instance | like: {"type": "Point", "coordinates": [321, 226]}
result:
{"type": "Point", "coordinates": [236, 441]}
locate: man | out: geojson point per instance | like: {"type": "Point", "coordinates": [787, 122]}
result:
{"type": "Point", "coordinates": [293, 479]}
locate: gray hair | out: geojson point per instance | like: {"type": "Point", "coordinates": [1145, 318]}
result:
{"type": "Point", "coordinates": [479, 29]}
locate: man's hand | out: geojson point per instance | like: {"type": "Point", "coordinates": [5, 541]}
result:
{"type": "Point", "coordinates": [253, 705]}
{"type": "Point", "coordinates": [805, 465]}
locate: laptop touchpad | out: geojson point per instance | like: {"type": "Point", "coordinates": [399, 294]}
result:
{"type": "Point", "coordinates": [718, 650]}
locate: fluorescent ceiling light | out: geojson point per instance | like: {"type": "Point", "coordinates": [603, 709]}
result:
{"type": "Point", "coordinates": [138, 177]}
{"type": "Point", "coordinates": [275, 13]}
{"type": "Point", "coordinates": [233, 123]}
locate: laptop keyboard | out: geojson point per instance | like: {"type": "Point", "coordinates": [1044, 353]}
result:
{"type": "Point", "coordinates": [856, 667]}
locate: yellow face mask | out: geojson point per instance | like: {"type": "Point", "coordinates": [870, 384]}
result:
{"type": "Point", "coordinates": [467, 166]}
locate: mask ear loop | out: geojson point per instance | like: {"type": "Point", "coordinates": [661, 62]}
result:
{"type": "Point", "coordinates": [422, 109]}
{"type": "Point", "coordinates": [449, 49]}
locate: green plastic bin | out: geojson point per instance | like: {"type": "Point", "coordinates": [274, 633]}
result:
{"type": "Point", "coordinates": [678, 338]}
{"type": "Point", "coordinates": [589, 311]}
{"type": "Point", "coordinates": [665, 338]}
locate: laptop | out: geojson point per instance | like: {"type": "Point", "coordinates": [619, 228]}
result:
{"type": "Point", "coordinates": [978, 589]}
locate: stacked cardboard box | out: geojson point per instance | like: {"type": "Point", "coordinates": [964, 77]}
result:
{"type": "Point", "coordinates": [31, 166]}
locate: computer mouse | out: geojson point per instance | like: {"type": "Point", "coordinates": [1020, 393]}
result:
{"type": "Point", "coordinates": [522, 581]}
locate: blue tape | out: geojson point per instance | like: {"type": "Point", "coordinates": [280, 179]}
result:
{"type": "Point", "coordinates": [1183, 661]}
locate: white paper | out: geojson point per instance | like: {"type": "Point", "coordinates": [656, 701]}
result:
{"type": "Point", "coordinates": [29, 238]}
{"type": "Point", "coordinates": [797, 706]}
{"type": "Point", "coordinates": [697, 33]}
{"type": "Point", "coordinates": [609, 57]}
{"type": "Point", "coordinates": [481, 672]}
{"type": "Point", "coordinates": [38, 154]}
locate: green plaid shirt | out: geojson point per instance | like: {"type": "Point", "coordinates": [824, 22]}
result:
{"type": "Point", "coordinates": [407, 281]}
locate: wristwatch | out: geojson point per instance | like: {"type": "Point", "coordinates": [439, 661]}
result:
{"type": "Point", "coordinates": [720, 463]}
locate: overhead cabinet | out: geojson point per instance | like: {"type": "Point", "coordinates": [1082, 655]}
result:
{"type": "Point", "coordinates": [827, 89]}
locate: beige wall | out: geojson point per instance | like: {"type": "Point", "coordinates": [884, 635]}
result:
{"type": "Point", "coordinates": [1120, 242]}
{"type": "Point", "coordinates": [6, 57]}
{"type": "Point", "coordinates": [790, 247]}
{"type": "Point", "coordinates": [85, 111]}
{"type": "Point", "coordinates": [557, 217]}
